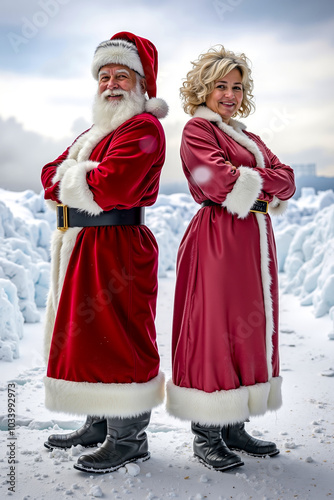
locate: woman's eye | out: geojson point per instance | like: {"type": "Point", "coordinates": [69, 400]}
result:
{"type": "Point", "coordinates": [223, 87]}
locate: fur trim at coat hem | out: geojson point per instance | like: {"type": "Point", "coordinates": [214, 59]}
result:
{"type": "Point", "coordinates": [108, 400]}
{"type": "Point", "coordinates": [223, 407]}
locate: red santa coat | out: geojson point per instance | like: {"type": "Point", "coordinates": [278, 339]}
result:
{"type": "Point", "coordinates": [100, 333]}
{"type": "Point", "coordinates": [225, 327]}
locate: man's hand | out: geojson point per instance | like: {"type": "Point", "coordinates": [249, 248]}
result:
{"type": "Point", "coordinates": [52, 192]}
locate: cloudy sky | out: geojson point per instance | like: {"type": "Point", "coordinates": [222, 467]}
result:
{"type": "Point", "coordinates": [46, 88]}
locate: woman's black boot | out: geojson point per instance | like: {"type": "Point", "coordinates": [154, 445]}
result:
{"type": "Point", "coordinates": [93, 432]}
{"type": "Point", "coordinates": [236, 438]}
{"type": "Point", "coordinates": [126, 442]}
{"type": "Point", "coordinates": [211, 450]}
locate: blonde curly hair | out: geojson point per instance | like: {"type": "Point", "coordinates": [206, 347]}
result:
{"type": "Point", "coordinates": [209, 67]}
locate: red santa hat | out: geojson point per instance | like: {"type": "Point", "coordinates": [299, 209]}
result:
{"type": "Point", "coordinates": [138, 54]}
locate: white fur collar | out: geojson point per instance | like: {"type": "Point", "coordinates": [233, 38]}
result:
{"type": "Point", "coordinates": [84, 145]}
{"type": "Point", "coordinates": [208, 114]}
{"type": "Point", "coordinates": [234, 129]}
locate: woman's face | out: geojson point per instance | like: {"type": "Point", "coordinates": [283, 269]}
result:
{"type": "Point", "coordinates": [226, 97]}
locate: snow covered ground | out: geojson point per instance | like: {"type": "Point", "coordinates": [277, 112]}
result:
{"type": "Point", "coordinates": [303, 428]}
{"type": "Point", "coordinates": [304, 236]}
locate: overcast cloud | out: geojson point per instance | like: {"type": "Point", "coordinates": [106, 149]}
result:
{"type": "Point", "coordinates": [46, 88]}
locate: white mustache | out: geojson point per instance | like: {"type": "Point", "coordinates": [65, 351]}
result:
{"type": "Point", "coordinates": [114, 93]}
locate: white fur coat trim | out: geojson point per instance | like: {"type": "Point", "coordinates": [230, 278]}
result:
{"type": "Point", "coordinates": [74, 190]}
{"type": "Point", "coordinates": [62, 245]}
{"type": "Point", "coordinates": [258, 395]}
{"type": "Point", "coordinates": [235, 130]}
{"type": "Point", "coordinates": [266, 284]}
{"type": "Point", "coordinates": [244, 193]}
{"type": "Point", "coordinates": [109, 400]}
{"type": "Point", "coordinates": [50, 317]}
{"type": "Point", "coordinates": [222, 407]}
{"type": "Point", "coordinates": [275, 394]}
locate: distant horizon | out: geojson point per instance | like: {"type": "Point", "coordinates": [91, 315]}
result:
{"type": "Point", "coordinates": [168, 186]}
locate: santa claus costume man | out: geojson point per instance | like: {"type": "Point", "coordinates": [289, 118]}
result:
{"type": "Point", "coordinates": [101, 350]}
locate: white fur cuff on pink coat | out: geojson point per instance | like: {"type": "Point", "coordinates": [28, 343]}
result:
{"type": "Point", "coordinates": [244, 193]}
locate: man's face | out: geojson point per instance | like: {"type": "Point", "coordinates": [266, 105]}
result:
{"type": "Point", "coordinates": [120, 94]}
{"type": "Point", "coordinates": [115, 77]}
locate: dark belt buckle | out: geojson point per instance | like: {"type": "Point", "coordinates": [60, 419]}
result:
{"type": "Point", "coordinates": [260, 207]}
{"type": "Point", "coordinates": [62, 217]}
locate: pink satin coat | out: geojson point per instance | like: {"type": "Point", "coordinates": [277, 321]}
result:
{"type": "Point", "coordinates": [219, 325]}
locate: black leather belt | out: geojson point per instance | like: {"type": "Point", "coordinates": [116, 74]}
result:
{"type": "Point", "coordinates": [71, 217]}
{"type": "Point", "coordinates": [209, 203]}
{"type": "Point", "coordinates": [260, 206]}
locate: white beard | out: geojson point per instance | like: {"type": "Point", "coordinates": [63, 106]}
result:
{"type": "Point", "coordinates": [109, 115]}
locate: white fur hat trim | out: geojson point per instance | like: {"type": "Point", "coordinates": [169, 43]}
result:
{"type": "Point", "coordinates": [116, 52]}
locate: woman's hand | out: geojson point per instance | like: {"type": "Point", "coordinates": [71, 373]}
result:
{"type": "Point", "coordinates": [233, 168]}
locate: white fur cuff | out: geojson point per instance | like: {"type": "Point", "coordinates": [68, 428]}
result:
{"type": "Point", "coordinates": [109, 400]}
{"type": "Point", "coordinates": [244, 193]}
{"type": "Point", "coordinates": [277, 207]}
{"type": "Point", "coordinates": [74, 190]}
{"type": "Point", "coordinates": [63, 167]}
{"type": "Point", "coordinates": [52, 205]}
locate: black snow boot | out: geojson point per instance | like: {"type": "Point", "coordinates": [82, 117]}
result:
{"type": "Point", "coordinates": [211, 450]}
{"type": "Point", "coordinates": [126, 442]}
{"type": "Point", "coordinates": [93, 431]}
{"type": "Point", "coordinates": [236, 438]}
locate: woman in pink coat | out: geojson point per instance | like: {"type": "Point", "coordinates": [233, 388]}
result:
{"type": "Point", "coordinates": [225, 328]}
